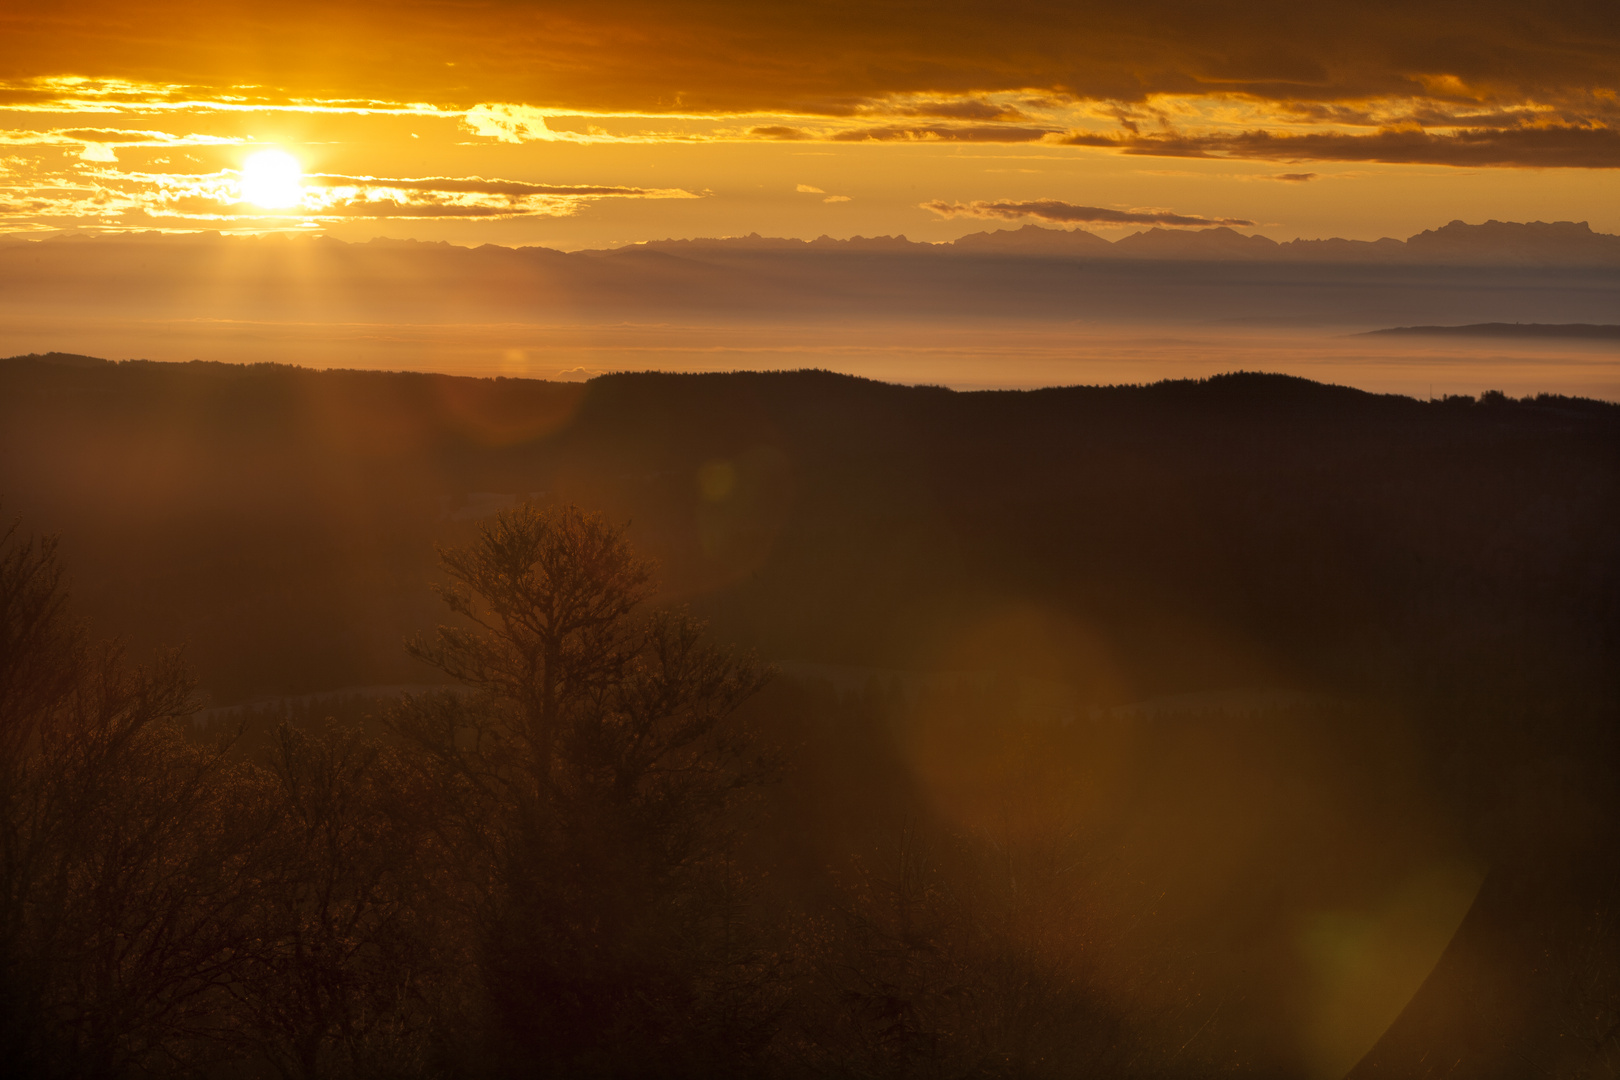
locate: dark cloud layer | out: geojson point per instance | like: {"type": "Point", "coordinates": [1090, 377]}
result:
{"type": "Point", "coordinates": [747, 54]}
{"type": "Point", "coordinates": [1589, 146]}
{"type": "Point", "coordinates": [1068, 213]}
{"type": "Point", "coordinates": [1549, 147]}
{"type": "Point", "coordinates": [1535, 83]}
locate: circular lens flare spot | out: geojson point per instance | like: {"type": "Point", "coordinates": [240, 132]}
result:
{"type": "Point", "coordinates": [271, 179]}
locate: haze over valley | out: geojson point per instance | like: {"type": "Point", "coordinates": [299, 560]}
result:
{"type": "Point", "coordinates": [1019, 308]}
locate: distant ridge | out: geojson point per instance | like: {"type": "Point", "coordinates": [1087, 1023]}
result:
{"type": "Point", "coordinates": [1459, 274]}
{"type": "Point", "coordinates": [1492, 243]}
{"type": "Point", "coordinates": [1599, 331]}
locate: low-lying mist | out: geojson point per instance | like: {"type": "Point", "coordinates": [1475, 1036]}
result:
{"type": "Point", "coordinates": [975, 356]}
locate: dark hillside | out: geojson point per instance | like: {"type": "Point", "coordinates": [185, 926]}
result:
{"type": "Point", "coordinates": [1451, 561]}
{"type": "Point", "coordinates": [1249, 529]}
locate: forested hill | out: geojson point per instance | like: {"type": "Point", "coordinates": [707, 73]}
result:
{"type": "Point", "coordinates": [1184, 536]}
{"type": "Point", "coordinates": [1442, 573]}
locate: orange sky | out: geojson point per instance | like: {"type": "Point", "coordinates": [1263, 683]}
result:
{"type": "Point", "coordinates": [585, 125]}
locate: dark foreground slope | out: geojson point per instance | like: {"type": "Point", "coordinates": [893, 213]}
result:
{"type": "Point", "coordinates": [1454, 560]}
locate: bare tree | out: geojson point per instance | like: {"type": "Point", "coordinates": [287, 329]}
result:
{"type": "Point", "coordinates": [126, 852]}
{"type": "Point", "coordinates": [353, 962]}
{"type": "Point", "coordinates": [585, 785]}
{"type": "Point", "coordinates": [547, 593]}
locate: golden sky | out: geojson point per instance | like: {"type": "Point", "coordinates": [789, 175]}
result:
{"type": "Point", "coordinates": [579, 125]}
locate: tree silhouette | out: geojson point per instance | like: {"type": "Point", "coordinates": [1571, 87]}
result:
{"type": "Point", "coordinates": [127, 854]}
{"type": "Point", "coordinates": [354, 958]}
{"type": "Point", "coordinates": [547, 593]}
{"type": "Point", "coordinates": [953, 957]}
{"type": "Point", "coordinates": [583, 787]}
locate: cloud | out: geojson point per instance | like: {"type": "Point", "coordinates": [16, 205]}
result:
{"type": "Point", "coordinates": [110, 137]}
{"type": "Point", "coordinates": [777, 131]}
{"type": "Point", "coordinates": [476, 185]}
{"type": "Point", "coordinates": [119, 198]}
{"type": "Point", "coordinates": [1069, 213]}
{"type": "Point", "coordinates": [960, 108]}
{"type": "Point", "coordinates": [56, 93]}
{"type": "Point", "coordinates": [329, 196]}
{"type": "Point", "coordinates": [986, 133]}
{"type": "Point", "coordinates": [822, 55]}
{"type": "Point", "coordinates": [509, 123]}
{"type": "Point", "coordinates": [807, 189]}
{"type": "Point", "coordinates": [1504, 83]}
{"type": "Point", "coordinates": [1295, 177]}
{"type": "Point", "coordinates": [1578, 132]}
{"type": "Point", "coordinates": [1544, 147]}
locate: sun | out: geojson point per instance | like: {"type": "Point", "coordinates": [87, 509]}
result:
{"type": "Point", "coordinates": [270, 179]}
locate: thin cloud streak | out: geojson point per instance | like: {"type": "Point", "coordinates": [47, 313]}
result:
{"type": "Point", "coordinates": [121, 199]}
{"type": "Point", "coordinates": [1540, 147]}
{"type": "Point", "coordinates": [1055, 210]}
{"type": "Point", "coordinates": [113, 137]}
{"type": "Point", "coordinates": [116, 97]}
{"type": "Point", "coordinates": [475, 185]}
{"type": "Point", "coordinates": [987, 133]}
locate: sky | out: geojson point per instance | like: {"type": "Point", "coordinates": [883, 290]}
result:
{"type": "Point", "coordinates": [574, 126]}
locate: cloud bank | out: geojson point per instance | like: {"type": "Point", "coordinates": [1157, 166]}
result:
{"type": "Point", "coordinates": [736, 55]}
{"type": "Point", "coordinates": [1490, 83]}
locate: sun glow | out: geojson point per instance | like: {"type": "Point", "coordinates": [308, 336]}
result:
{"type": "Point", "coordinates": [270, 179]}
